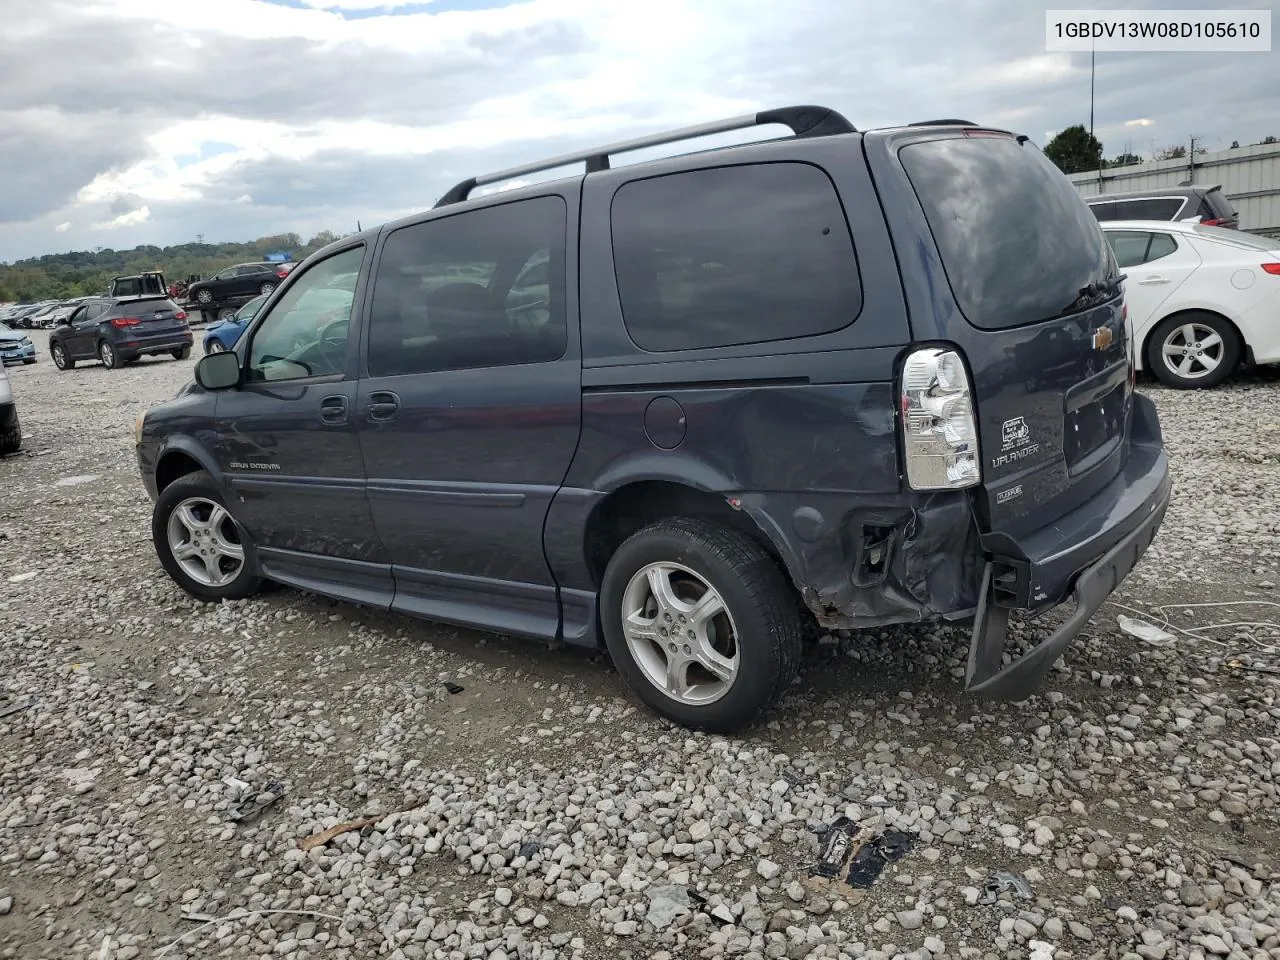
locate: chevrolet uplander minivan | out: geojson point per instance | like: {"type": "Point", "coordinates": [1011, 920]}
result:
{"type": "Point", "coordinates": [690, 410]}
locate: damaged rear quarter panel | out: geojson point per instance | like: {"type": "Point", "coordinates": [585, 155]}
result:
{"type": "Point", "coordinates": [814, 466]}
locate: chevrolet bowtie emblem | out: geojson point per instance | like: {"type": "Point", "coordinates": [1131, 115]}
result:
{"type": "Point", "coordinates": [1102, 338]}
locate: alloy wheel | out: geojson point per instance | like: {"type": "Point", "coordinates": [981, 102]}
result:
{"type": "Point", "coordinates": [203, 538]}
{"type": "Point", "coordinates": [1192, 350]}
{"type": "Point", "coordinates": [680, 633]}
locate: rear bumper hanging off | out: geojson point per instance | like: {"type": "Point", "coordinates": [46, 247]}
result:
{"type": "Point", "coordinates": [1145, 488]}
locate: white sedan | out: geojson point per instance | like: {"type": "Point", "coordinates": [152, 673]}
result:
{"type": "Point", "coordinates": [1200, 298]}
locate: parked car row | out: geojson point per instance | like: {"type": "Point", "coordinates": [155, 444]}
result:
{"type": "Point", "coordinates": [32, 316]}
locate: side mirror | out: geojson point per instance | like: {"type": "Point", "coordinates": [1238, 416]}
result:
{"type": "Point", "coordinates": [218, 371]}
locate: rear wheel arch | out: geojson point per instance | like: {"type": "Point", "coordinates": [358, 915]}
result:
{"type": "Point", "coordinates": [638, 504]}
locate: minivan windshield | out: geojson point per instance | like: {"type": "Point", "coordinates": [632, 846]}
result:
{"type": "Point", "coordinates": [1017, 241]}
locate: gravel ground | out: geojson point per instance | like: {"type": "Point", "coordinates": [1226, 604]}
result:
{"type": "Point", "coordinates": [538, 812]}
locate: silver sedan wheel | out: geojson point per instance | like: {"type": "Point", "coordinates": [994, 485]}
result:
{"type": "Point", "coordinates": [204, 540]}
{"type": "Point", "coordinates": [1192, 351]}
{"type": "Point", "coordinates": [680, 633]}
{"type": "Point", "coordinates": [215, 346]}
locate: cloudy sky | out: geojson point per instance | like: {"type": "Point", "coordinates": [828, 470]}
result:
{"type": "Point", "coordinates": [152, 121]}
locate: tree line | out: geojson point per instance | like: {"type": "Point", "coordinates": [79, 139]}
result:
{"type": "Point", "coordinates": [82, 273]}
{"type": "Point", "coordinates": [1076, 150]}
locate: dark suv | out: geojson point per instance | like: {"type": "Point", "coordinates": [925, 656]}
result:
{"type": "Point", "coordinates": [1205, 205]}
{"type": "Point", "coordinates": [119, 330]}
{"type": "Point", "coordinates": [237, 284]}
{"type": "Point", "coordinates": [686, 408]}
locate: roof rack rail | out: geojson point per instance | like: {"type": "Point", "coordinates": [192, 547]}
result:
{"type": "Point", "coordinates": [943, 123]}
{"type": "Point", "coordinates": [804, 121]}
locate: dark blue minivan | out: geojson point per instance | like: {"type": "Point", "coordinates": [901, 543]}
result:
{"type": "Point", "coordinates": [691, 410]}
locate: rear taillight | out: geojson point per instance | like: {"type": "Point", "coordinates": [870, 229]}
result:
{"type": "Point", "coordinates": [939, 431]}
{"type": "Point", "coordinates": [1214, 221]}
{"type": "Point", "coordinates": [180, 315]}
{"type": "Point", "coordinates": [1272, 268]}
{"type": "Point", "coordinates": [281, 272]}
{"type": "Point", "coordinates": [122, 322]}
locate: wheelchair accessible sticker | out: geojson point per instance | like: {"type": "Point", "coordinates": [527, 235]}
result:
{"type": "Point", "coordinates": [1015, 442]}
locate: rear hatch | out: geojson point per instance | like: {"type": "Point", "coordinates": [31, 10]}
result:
{"type": "Point", "coordinates": [1040, 320]}
{"type": "Point", "coordinates": [157, 317]}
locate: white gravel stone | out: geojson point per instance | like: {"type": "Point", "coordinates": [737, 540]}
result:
{"type": "Point", "coordinates": [540, 814]}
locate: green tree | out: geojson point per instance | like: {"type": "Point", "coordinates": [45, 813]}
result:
{"type": "Point", "coordinates": [1126, 160]}
{"type": "Point", "coordinates": [1177, 152]}
{"type": "Point", "coordinates": [1075, 150]}
{"type": "Point", "coordinates": [86, 272]}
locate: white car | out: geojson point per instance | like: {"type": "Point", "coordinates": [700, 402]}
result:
{"type": "Point", "coordinates": [1200, 298]}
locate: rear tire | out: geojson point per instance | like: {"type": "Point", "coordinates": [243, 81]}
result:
{"type": "Point", "coordinates": [1193, 350]}
{"type": "Point", "coordinates": [181, 353]}
{"type": "Point", "coordinates": [266, 288]}
{"type": "Point", "coordinates": [755, 642]}
{"type": "Point", "coordinates": [198, 492]}
{"type": "Point", "coordinates": [107, 354]}
{"type": "Point", "coordinates": [60, 358]}
{"type": "Point", "coordinates": [10, 432]}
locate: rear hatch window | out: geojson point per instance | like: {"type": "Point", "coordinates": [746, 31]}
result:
{"type": "Point", "coordinates": [1017, 242]}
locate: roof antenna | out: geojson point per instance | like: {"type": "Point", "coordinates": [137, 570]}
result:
{"type": "Point", "coordinates": [358, 226]}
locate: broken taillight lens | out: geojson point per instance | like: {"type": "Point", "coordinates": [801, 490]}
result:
{"type": "Point", "coordinates": [939, 429]}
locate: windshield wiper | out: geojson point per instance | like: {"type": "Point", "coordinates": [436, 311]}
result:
{"type": "Point", "coordinates": [1093, 294]}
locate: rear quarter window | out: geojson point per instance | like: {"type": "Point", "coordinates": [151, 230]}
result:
{"type": "Point", "coordinates": [732, 256]}
{"type": "Point", "coordinates": [1017, 241]}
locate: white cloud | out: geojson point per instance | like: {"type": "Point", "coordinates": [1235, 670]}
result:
{"type": "Point", "coordinates": [238, 118]}
{"type": "Point", "coordinates": [130, 219]}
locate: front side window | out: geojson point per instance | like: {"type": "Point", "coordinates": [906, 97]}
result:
{"type": "Point", "coordinates": [485, 288]}
{"type": "Point", "coordinates": [732, 256]}
{"type": "Point", "coordinates": [305, 334]}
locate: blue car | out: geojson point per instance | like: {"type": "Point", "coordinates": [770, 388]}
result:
{"type": "Point", "coordinates": [15, 346]}
{"type": "Point", "coordinates": [223, 335]}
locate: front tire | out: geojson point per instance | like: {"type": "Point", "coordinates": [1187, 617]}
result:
{"type": "Point", "coordinates": [181, 353]}
{"type": "Point", "coordinates": [60, 358]}
{"type": "Point", "coordinates": [1193, 350]}
{"type": "Point", "coordinates": [107, 354]}
{"type": "Point", "coordinates": [214, 346]}
{"type": "Point", "coordinates": [29, 360]}
{"type": "Point", "coordinates": [199, 543]}
{"type": "Point", "coordinates": [701, 623]}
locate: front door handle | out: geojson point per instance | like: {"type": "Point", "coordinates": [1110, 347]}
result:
{"type": "Point", "coordinates": [333, 409]}
{"type": "Point", "coordinates": [1150, 281]}
{"type": "Point", "coordinates": [383, 405]}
